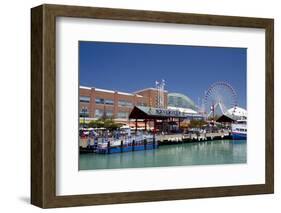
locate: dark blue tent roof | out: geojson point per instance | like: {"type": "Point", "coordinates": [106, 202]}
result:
{"type": "Point", "coordinates": [141, 112]}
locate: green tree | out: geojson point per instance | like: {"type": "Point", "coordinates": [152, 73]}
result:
{"type": "Point", "coordinates": [96, 124]}
{"type": "Point", "coordinates": [109, 124]}
{"type": "Point", "coordinates": [196, 123]}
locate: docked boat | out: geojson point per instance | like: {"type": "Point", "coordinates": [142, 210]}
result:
{"type": "Point", "coordinates": [132, 143]}
{"type": "Point", "coordinates": [103, 142]}
{"type": "Point", "coordinates": [239, 130]}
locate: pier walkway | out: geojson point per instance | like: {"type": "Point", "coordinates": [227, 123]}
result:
{"type": "Point", "coordinates": [171, 138]}
{"type": "Point", "coordinates": [192, 137]}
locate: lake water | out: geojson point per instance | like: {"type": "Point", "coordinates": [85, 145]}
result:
{"type": "Point", "coordinates": [198, 153]}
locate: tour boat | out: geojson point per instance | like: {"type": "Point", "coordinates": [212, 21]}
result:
{"type": "Point", "coordinates": [239, 130]}
{"type": "Point", "coordinates": [128, 144]}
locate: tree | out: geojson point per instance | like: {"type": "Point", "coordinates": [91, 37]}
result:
{"type": "Point", "coordinates": [111, 124]}
{"type": "Point", "coordinates": [104, 123]}
{"type": "Point", "coordinates": [96, 124]}
{"type": "Point", "coordinates": [197, 123]}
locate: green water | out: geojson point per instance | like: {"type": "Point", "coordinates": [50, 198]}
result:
{"type": "Point", "coordinates": [199, 153]}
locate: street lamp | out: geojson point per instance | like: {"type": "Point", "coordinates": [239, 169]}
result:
{"type": "Point", "coordinates": [84, 110]}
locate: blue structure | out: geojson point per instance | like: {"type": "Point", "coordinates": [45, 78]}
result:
{"type": "Point", "coordinates": [143, 145]}
{"type": "Point", "coordinates": [239, 136]}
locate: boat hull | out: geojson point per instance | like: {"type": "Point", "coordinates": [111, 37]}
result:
{"type": "Point", "coordinates": [139, 147]}
{"type": "Point", "coordinates": [239, 136]}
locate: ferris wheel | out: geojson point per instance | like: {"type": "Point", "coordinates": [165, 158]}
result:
{"type": "Point", "coordinates": [219, 98]}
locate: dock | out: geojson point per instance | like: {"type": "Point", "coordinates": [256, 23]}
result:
{"type": "Point", "coordinates": [192, 137]}
{"type": "Point", "coordinates": [88, 145]}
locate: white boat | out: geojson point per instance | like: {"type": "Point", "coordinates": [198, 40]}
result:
{"type": "Point", "coordinates": [239, 130]}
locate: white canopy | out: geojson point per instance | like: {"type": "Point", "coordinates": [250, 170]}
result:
{"type": "Point", "coordinates": [183, 110]}
{"type": "Point", "coordinates": [237, 111]}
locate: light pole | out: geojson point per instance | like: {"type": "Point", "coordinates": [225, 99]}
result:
{"type": "Point", "coordinates": [84, 110]}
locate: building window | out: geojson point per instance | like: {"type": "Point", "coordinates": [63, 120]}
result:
{"type": "Point", "coordinates": [109, 113]}
{"type": "Point", "coordinates": [99, 113]}
{"type": "Point", "coordinates": [123, 115]}
{"type": "Point", "coordinates": [108, 101]}
{"type": "Point", "coordinates": [99, 101]}
{"type": "Point", "coordinates": [104, 101]}
{"type": "Point", "coordinates": [84, 112]}
{"type": "Point", "coordinates": [125, 103]}
{"type": "Point", "coordinates": [84, 99]}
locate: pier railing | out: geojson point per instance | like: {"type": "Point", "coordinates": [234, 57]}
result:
{"type": "Point", "coordinates": [192, 136]}
{"type": "Point", "coordinates": [88, 142]}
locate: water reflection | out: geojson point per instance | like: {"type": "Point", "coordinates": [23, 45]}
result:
{"type": "Point", "coordinates": [200, 153]}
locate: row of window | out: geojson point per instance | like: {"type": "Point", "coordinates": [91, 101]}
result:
{"type": "Point", "coordinates": [104, 101]}
{"type": "Point", "coordinates": [109, 113]}
{"type": "Point", "coordinates": [124, 103]}
{"type": "Point", "coordinates": [123, 115]}
{"type": "Point", "coordinates": [99, 113]}
{"type": "Point", "coordinates": [121, 103]}
{"type": "Point", "coordinates": [84, 99]}
{"type": "Point", "coordinates": [241, 130]}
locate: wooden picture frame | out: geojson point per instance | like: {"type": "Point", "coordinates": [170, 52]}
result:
{"type": "Point", "coordinates": [43, 105]}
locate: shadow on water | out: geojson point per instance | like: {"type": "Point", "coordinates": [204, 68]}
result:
{"type": "Point", "coordinates": [199, 153]}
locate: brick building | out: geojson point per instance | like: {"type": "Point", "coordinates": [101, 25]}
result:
{"type": "Point", "coordinates": [95, 103]}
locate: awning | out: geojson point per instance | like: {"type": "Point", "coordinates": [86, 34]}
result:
{"type": "Point", "coordinates": [225, 119]}
{"type": "Point", "coordinates": [140, 112]}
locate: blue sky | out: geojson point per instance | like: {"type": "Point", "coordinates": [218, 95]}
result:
{"type": "Point", "coordinates": [189, 70]}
